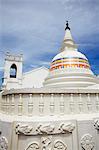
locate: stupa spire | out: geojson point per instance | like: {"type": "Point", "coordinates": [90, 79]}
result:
{"type": "Point", "coordinates": [68, 42]}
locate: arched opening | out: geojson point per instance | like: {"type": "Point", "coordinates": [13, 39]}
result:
{"type": "Point", "coordinates": [13, 71]}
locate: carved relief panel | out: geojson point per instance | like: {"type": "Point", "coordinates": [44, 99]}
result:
{"type": "Point", "coordinates": [47, 144]}
{"type": "Point", "coordinates": [40, 129]}
{"type": "Point", "coordinates": [87, 142]}
{"type": "Point", "coordinates": [45, 136]}
{"type": "Point", "coordinates": [3, 143]}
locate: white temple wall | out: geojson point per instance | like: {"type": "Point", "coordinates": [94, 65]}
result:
{"type": "Point", "coordinates": [79, 134]}
{"type": "Point", "coordinates": [6, 129]}
{"type": "Point", "coordinates": [33, 117]}
{"type": "Point", "coordinates": [34, 78]}
{"type": "Point", "coordinates": [85, 128]}
{"type": "Point", "coordinates": [41, 104]}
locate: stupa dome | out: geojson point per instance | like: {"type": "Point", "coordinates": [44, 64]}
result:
{"type": "Point", "coordinates": [69, 54]}
{"type": "Point", "coordinates": [70, 68]}
{"type": "Point", "coordinates": [69, 58]}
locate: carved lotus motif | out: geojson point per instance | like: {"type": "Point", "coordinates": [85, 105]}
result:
{"type": "Point", "coordinates": [87, 142]}
{"type": "Point", "coordinates": [3, 143]}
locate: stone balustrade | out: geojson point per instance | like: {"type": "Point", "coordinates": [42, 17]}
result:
{"type": "Point", "coordinates": [32, 102]}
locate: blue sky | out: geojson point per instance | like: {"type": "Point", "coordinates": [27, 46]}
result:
{"type": "Point", "coordinates": [36, 29]}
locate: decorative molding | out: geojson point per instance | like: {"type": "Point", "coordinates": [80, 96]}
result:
{"type": "Point", "coordinates": [23, 129]}
{"type": "Point", "coordinates": [74, 107]}
{"type": "Point", "coordinates": [62, 104]}
{"type": "Point", "coordinates": [33, 146]}
{"type": "Point", "coordinates": [41, 104]}
{"type": "Point", "coordinates": [59, 145]}
{"type": "Point", "coordinates": [87, 142]}
{"type": "Point", "coordinates": [96, 124]}
{"type": "Point", "coordinates": [52, 104]}
{"type": "Point", "coordinates": [46, 143]}
{"type": "Point", "coordinates": [89, 103]}
{"type": "Point", "coordinates": [80, 103]}
{"type": "Point", "coordinates": [71, 103]}
{"type": "Point", "coordinates": [3, 143]}
{"type": "Point", "coordinates": [67, 127]}
{"type": "Point", "coordinates": [43, 129]}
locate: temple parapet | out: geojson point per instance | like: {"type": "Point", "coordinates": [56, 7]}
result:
{"type": "Point", "coordinates": [42, 102]}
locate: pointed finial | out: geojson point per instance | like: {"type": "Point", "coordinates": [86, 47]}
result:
{"type": "Point", "coordinates": [67, 26]}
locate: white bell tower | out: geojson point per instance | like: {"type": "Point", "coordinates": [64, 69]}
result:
{"type": "Point", "coordinates": [12, 71]}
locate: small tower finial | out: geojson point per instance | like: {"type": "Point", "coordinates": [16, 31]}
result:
{"type": "Point", "coordinates": [67, 26]}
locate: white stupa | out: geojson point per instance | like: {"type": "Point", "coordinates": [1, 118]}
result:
{"type": "Point", "coordinates": [70, 68]}
{"type": "Point", "coordinates": [33, 117]}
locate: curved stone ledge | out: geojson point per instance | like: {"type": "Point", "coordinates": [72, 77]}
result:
{"type": "Point", "coordinates": [50, 102]}
{"type": "Point", "coordinates": [49, 91]}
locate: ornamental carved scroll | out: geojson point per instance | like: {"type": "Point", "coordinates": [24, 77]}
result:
{"type": "Point", "coordinates": [87, 142]}
{"type": "Point", "coordinates": [3, 143]}
{"type": "Point", "coordinates": [45, 129]}
{"type": "Point", "coordinates": [23, 129]}
{"type": "Point", "coordinates": [47, 144]}
{"type": "Point", "coordinates": [41, 129]}
{"type": "Point", "coordinates": [66, 127]}
{"type": "Point", "coordinates": [96, 124]}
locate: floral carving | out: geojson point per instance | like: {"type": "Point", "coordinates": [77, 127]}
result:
{"type": "Point", "coordinates": [96, 124]}
{"type": "Point", "coordinates": [3, 143]}
{"type": "Point", "coordinates": [41, 129]}
{"type": "Point", "coordinates": [66, 127]}
{"type": "Point", "coordinates": [87, 142]}
{"type": "Point", "coordinates": [47, 144]}
{"type": "Point", "coordinates": [45, 129]}
{"type": "Point", "coordinates": [33, 146]}
{"type": "Point", "coordinates": [59, 145]}
{"type": "Point", "coordinates": [23, 129]}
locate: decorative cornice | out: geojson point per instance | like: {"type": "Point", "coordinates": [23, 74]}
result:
{"type": "Point", "coordinates": [49, 91]}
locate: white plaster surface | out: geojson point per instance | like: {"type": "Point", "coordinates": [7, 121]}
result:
{"type": "Point", "coordinates": [32, 108]}
{"type": "Point", "coordinates": [35, 118]}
